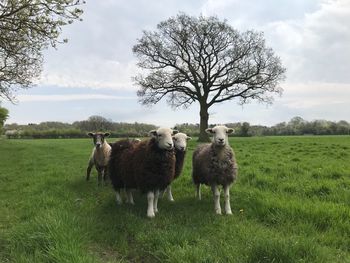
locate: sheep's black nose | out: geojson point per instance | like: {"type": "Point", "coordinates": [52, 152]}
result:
{"type": "Point", "coordinates": [182, 148]}
{"type": "Point", "coordinates": [221, 140]}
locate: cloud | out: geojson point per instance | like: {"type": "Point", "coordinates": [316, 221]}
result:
{"type": "Point", "coordinates": [314, 95]}
{"type": "Point", "coordinates": [311, 37]}
{"type": "Point", "coordinates": [99, 51]}
{"type": "Point", "coordinates": [316, 47]}
{"type": "Point", "coordinates": [90, 71]}
{"type": "Point", "coordinates": [70, 97]}
{"type": "Point", "coordinates": [252, 14]}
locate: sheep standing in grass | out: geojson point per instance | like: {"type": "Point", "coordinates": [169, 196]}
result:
{"type": "Point", "coordinates": [100, 156]}
{"type": "Point", "coordinates": [214, 164]}
{"type": "Point", "coordinates": [147, 165]}
{"type": "Point", "coordinates": [180, 144]}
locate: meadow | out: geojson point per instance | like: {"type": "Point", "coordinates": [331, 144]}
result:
{"type": "Point", "coordinates": [291, 203]}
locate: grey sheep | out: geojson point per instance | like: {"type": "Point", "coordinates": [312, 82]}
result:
{"type": "Point", "coordinates": [214, 164]}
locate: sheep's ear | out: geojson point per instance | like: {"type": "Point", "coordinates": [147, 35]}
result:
{"type": "Point", "coordinates": [90, 134]}
{"type": "Point", "coordinates": [153, 133]}
{"type": "Point", "coordinates": [188, 138]}
{"type": "Point", "coordinates": [175, 131]}
{"type": "Point", "coordinates": [209, 131]}
{"type": "Point", "coordinates": [107, 134]}
{"type": "Point", "coordinates": [230, 130]}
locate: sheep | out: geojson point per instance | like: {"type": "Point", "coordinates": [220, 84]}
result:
{"type": "Point", "coordinates": [148, 165]}
{"type": "Point", "coordinates": [215, 164]}
{"type": "Point", "coordinates": [180, 144]}
{"type": "Point", "coordinates": [12, 134]}
{"type": "Point", "coordinates": [99, 156]}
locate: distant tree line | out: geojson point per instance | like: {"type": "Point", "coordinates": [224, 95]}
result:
{"type": "Point", "coordinates": [79, 129]}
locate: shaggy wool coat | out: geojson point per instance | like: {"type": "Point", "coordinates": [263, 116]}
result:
{"type": "Point", "coordinates": [214, 165]}
{"type": "Point", "coordinates": [180, 158]}
{"type": "Point", "coordinates": [141, 165]}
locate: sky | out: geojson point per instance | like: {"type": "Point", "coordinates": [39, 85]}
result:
{"type": "Point", "coordinates": [92, 73]}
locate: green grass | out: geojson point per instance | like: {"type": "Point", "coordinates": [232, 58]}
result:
{"type": "Point", "coordinates": [291, 203]}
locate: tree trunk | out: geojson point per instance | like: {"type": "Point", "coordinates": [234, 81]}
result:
{"type": "Point", "coordinates": [203, 125]}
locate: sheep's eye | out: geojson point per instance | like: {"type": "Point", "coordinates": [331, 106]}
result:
{"type": "Point", "coordinates": [175, 139]}
{"type": "Point", "coordinates": [159, 135]}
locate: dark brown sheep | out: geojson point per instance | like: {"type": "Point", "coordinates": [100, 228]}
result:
{"type": "Point", "coordinates": [215, 164]}
{"type": "Point", "coordinates": [147, 165]}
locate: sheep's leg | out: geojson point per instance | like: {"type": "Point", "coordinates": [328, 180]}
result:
{"type": "Point", "coordinates": [129, 197]}
{"type": "Point", "coordinates": [150, 209]}
{"type": "Point", "coordinates": [99, 176]}
{"type": "Point", "coordinates": [88, 170]}
{"type": "Point", "coordinates": [227, 200]}
{"type": "Point", "coordinates": [105, 175]}
{"type": "Point", "coordinates": [198, 191]}
{"type": "Point", "coordinates": [118, 197]}
{"type": "Point", "coordinates": [170, 195]}
{"type": "Point", "coordinates": [155, 203]}
{"type": "Point", "coordinates": [216, 194]}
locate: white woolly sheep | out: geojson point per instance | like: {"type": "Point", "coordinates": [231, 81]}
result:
{"type": "Point", "coordinates": [99, 156]}
{"type": "Point", "coordinates": [180, 145]}
{"type": "Point", "coordinates": [215, 164]}
{"type": "Point", "coordinates": [147, 165]}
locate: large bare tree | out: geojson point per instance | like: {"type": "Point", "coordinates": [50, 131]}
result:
{"type": "Point", "coordinates": [202, 59]}
{"type": "Point", "coordinates": [27, 27]}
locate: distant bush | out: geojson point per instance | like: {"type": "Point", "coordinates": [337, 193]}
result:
{"type": "Point", "coordinates": [51, 134]}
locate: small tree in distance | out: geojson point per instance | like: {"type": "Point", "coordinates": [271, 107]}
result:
{"type": "Point", "coordinates": [189, 59]}
{"type": "Point", "coordinates": [4, 114]}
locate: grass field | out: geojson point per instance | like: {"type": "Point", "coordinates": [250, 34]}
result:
{"type": "Point", "coordinates": [291, 203]}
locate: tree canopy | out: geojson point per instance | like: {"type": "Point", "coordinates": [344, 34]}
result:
{"type": "Point", "coordinates": [27, 27]}
{"type": "Point", "coordinates": [4, 114]}
{"type": "Point", "coordinates": [189, 59]}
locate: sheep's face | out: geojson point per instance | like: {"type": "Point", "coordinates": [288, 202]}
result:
{"type": "Point", "coordinates": [220, 134]}
{"type": "Point", "coordinates": [163, 137]}
{"type": "Point", "coordinates": [98, 138]}
{"type": "Point", "coordinates": [180, 141]}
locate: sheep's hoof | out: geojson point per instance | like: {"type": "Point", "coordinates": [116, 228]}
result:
{"type": "Point", "coordinates": [229, 212]}
{"type": "Point", "coordinates": [151, 215]}
{"type": "Point", "coordinates": [172, 200]}
{"type": "Point", "coordinates": [156, 210]}
{"type": "Point", "coordinates": [218, 211]}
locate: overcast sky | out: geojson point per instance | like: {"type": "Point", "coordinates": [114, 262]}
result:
{"type": "Point", "coordinates": [91, 75]}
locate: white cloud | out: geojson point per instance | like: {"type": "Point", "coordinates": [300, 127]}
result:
{"type": "Point", "coordinates": [316, 47]}
{"type": "Point", "coordinates": [99, 51]}
{"type": "Point", "coordinates": [310, 95]}
{"type": "Point", "coordinates": [70, 97]}
{"type": "Point", "coordinates": [90, 71]}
